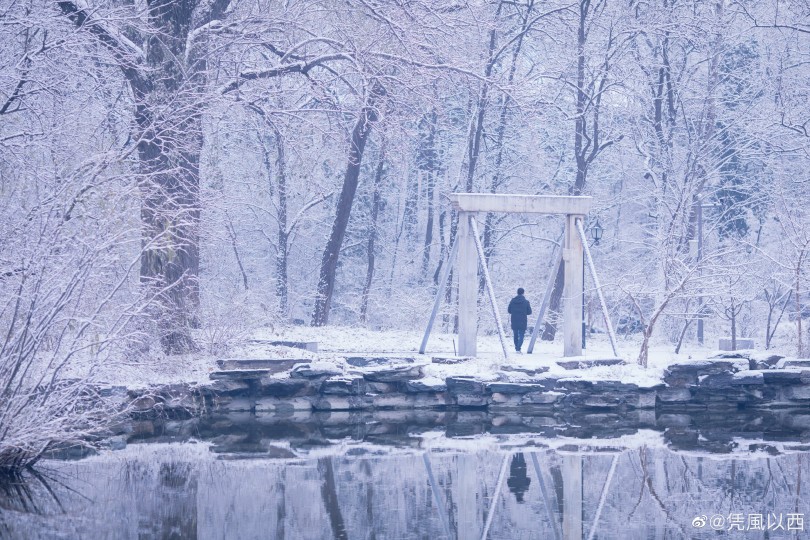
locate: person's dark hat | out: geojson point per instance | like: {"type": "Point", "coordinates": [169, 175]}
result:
{"type": "Point", "coordinates": [520, 290]}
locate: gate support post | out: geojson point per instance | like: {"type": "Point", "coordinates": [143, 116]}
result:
{"type": "Point", "coordinates": [467, 287]}
{"type": "Point", "coordinates": [572, 295]}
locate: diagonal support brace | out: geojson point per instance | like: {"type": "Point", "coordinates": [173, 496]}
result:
{"type": "Point", "coordinates": [598, 287]}
{"type": "Point", "coordinates": [439, 294]}
{"type": "Point", "coordinates": [490, 290]}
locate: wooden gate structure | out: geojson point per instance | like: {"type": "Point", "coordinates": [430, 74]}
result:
{"type": "Point", "coordinates": [468, 251]}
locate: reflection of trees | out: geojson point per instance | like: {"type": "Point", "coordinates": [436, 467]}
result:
{"type": "Point", "coordinates": [634, 493]}
{"type": "Point", "coordinates": [29, 492]}
{"type": "Point", "coordinates": [330, 498]}
{"type": "Point", "coordinates": [177, 503]}
{"type": "Point", "coordinates": [647, 485]}
{"type": "Point", "coordinates": [165, 497]}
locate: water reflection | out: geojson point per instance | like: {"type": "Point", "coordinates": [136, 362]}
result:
{"type": "Point", "coordinates": [518, 480]}
{"type": "Point", "coordinates": [330, 498]}
{"type": "Point", "coordinates": [255, 483]}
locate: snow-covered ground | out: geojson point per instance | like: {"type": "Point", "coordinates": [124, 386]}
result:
{"type": "Point", "coordinates": [338, 342]}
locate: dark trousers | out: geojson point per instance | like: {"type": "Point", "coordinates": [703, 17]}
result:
{"type": "Point", "coordinates": [518, 334]}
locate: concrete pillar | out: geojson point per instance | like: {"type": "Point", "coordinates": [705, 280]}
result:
{"type": "Point", "coordinates": [572, 294]}
{"type": "Point", "coordinates": [572, 497]}
{"type": "Point", "coordinates": [467, 287]}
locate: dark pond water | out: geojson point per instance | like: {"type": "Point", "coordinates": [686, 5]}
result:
{"type": "Point", "coordinates": [436, 475]}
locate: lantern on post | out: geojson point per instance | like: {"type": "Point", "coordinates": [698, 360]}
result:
{"type": "Point", "coordinates": [596, 232]}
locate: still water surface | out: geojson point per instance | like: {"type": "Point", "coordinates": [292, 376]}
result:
{"type": "Point", "coordinates": [440, 476]}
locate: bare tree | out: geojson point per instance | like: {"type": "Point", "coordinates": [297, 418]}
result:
{"type": "Point", "coordinates": [367, 117]}
{"type": "Point", "coordinates": [590, 139]}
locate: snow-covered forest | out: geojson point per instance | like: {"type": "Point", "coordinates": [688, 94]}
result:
{"type": "Point", "coordinates": [177, 174]}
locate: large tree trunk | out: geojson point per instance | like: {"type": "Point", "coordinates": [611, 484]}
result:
{"type": "Point", "coordinates": [427, 164]}
{"type": "Point", "coordinates": [283, 234]}
{"type": "Point", "coordinates": [326, 283]}
{"type": "Point", "coordinates": [168, 92]}
{"type": "Point", "coordinates": [410, 216]}
{"type": "Point", "coordinates": [733, 326]}
{"type": "Point", "coordinates": [170, 122]}
{"type": "Point", "coordinates": [170, 219]}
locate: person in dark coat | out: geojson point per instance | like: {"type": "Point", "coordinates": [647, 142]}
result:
{"type": "Point", "coordinates": [519, 309]}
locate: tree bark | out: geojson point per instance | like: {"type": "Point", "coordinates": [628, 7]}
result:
{"type": "Point", "coordinates": [442, 249]}
{"type": "Point", "coordinates": [326, 283]}
{"type": "Point", "coordinates": [232, 234]}
{"type": "Point", "coordinates": [372, 234]}
{"type": "Point", "coordinates": [772, 302]}
{"type": "Point", "coordinates": [410, 217]}
{"type": "Point", "coordinates": [427, 164]}
{"type": "Point", "coordinates": [283, 234]}
{"type": "Point", "coordinates": [733, 326]}
{"type": "Point", "coordinates": [168, 91]}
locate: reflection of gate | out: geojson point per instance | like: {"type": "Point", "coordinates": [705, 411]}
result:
{"type": "Point", "coordinates": [468, 250]}
{"type": "Point", "coordinates": [568, 526]}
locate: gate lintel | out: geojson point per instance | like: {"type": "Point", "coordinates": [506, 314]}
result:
{"type": "Point", "coordinates": [521, 204]}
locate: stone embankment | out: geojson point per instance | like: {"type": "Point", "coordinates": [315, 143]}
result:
{"type": "Point", "coordinates": [738, 380]}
